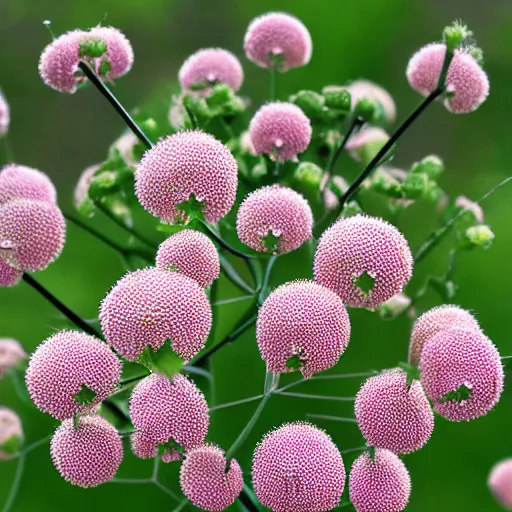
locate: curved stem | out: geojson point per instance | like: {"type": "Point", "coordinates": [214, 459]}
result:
{"type": "Point", "coordinates": [230, 272]}
{"type": "Point", "coordinates": [100, 85]}
{"type": "Point", "coordinates": [68, 313]}
{"type": "Point", "coordinates": [16, 484]}
{"type": "Point", "coordinates": [225, 245]}
{"type": "Point", "coordinates": [264, 286]}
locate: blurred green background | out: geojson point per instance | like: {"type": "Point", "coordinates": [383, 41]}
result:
{"type": "Point", "coordinates": [62, 134]}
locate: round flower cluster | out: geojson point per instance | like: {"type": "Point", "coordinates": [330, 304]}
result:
{"type": "Point", "coordinates": [466, 85]}
{"type": "Point", "coordinates": [392, 415]}
{"type": "Point", "coordinates": [11, 354]}
{"type": "Point", "coordinates": [278, 40]}
{"type": "Point", "coordinates": [87, 454]}
{"type": "Point", "coordinates": [208, 480]}
{"type": "Point", "coordinates": [60, 368]}
{"type": "Point", "coordinates": [186, 164]}
{"type": "Point", "coordinates": [11, 434]}
{"type": "Point", "coordinates": [302, 326]}
{"type": "Point", "coordinates": [21, 182]}
{"type": "Point", "coordinates": [462, 374]}
{"type": "Point", "coordinates": [208, 67]}
{"type": "Point", "coordinates": [280, 130]}
{"type": "Point", "coordinates": [436, 320]}
{"type": "Point", "coordinates": [5, 117]}
{"type": "Point", "coordinates": [278, 212]}
{"type": "Point", "coordinates": [500, 483]}
{"type": "Point", "coordinates": [105, 48]}
{"type": "Point", "coordinates": [358, 249]}
{"type": "Point", "coordinates": [164, 409]}
{"type": "Point", "coordinates": [317, 479]}
{"type": "Point", "coordinates": [192, 254]}
{"type": "Point", "coordinates": [150, 306]}
{"type": "Point", "coordinates": [9, 276]}
{"type": "Point", "coordinates": [379, 484]}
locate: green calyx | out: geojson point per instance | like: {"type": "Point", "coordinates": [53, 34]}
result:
{"type": "Point", "coordinates": [461, 394]}
{"type": "Point", "coordinates": [164, 360]}
{"type": "Point", "coordinates": [271, 242]}
{"type": "Point", "coordinates": [192, 208]}
{"type": "Point", "coordinates": [85, 396]}
{"type": "Point", "coordinates": [338, 99]}
{"type": "Point", "coordinates": [365, 283]}
{"type": "Point", "coordinates": [93, 48]}
{"type": "Point", "coordinates": [311, 103]}
{"type": "Point", "coordinates": [412, 372]}
{"type": "Point", "coordinates": [457, 35]}
{"type": "Point", "coordinates": [295, 362]}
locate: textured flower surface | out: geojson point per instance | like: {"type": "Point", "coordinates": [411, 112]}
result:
{"type": "Point", "coordinates": [500, 483]}
{"type": "Point", "coordinates": [150, 306]}
{"type": "Point", "coordinates": [277, 37]}
{"type": "Point", "coordinates": [302, 325]}
{"type": "Point", "coordinates": [277, 211]}
{"type": "Point", "coordinates": [190, 163]}
{"type": "Point", "coordinates": [11, 354]}
{"type": "Point", "coordinates": [462, 374]}
{"type": "Point", "coordinates": [208, 481]}
{"type": "Point", "coordinates": [436, 320]}
{"type": "Point", "coordinates": [281, 130]}
{"type": "Point", "coordinates": [466, 83]}
{"type": "Point", "coordinates": [165, 409]}
{"type": "Point", "coordinates": [381, 484]}
{"type": "Point", "coordinates": [5, 116]}
{"type": "Point", "coordinates": [392, 415]}
{"type": "Point", "coordinates": [9, 276]}
{"type": "Point", "coordinates": [211, 66]}
{"type": "Point", "coordinates": [62, 365]}
{"type": "Point", "coordinates": [21, 182]}
{"type": "Point", "coordinates": [363, 248]}
{"type": "Point", "coordinates": [298, 468]}
{"type": "Point", "coordinates": [89, 454]}
{"type": "Point", "coordinates": [32, 234]}
{"type": "Point", "coordinates": [11, 433]}
{"type": "Point", "coordinates": [192, 254]}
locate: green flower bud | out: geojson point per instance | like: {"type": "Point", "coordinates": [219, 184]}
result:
{"type": "Point", "coordinates": [309, 175]}
{"type": "Point", "coordinates": [480, 236]}
{"type": "Point", "coordinates": [431, 165]}
{"type": "Point", "coordinates": [456, 35]}
{"type": "Point", "coordinates": [366, 109]}
{"type": "Point", "coordinates": [416, 185]}
{"type": "Point", "coordinates": [383, 183]}
{"type": "Point", "coordinates": [478, 54]}
{"type": "Point", "coordinates": [351, 209]}
{"type": "Point", "coordinates": [338, 99]}
{"type": "Point", "coordinates": [310, 102]}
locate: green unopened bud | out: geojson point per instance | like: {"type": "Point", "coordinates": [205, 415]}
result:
{"type": "Point", "coordinates": [221, 93]}
{"type": "Point", "coordinates": [416, 185]}
{"type": "Point", "coordinates": [309, 175]}
{"type": "Point", "coordinates": [310, 102]}
{"type": "Point", "coordinates": [351, 209]}
{"type": "Point", "coordinates": [383, 183]}
{"type": "Point", "coordinates": [92, 48]}
{"type": "Point", "coordinates": [103, 183]}
{"type": "Point", "coordinates": [338, 99]}
{"type": "Point", "coordinates": [196, 106]}
{"type": "Point", "coordinates": [480, 236]}
{"type": "Point", "coordinates": [456, 35]}
{"type": "Point", "coordinates": [478, 54]}
{"type": "Point", "coordinates": [150, 127]}
{"type": "Point", "coordinates": [431, 165]}
{"type": "Point", "coordinates": [366, 109]}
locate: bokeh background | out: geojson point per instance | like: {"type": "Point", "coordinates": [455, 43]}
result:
{"type": "Point", "coordinates": [62, 134]}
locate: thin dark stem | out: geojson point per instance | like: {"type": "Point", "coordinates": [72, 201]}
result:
{"type": "Point", "coordinates": [225, 245]}
{"type": "Point", "coordinates": [247, 502]}
{"type": "Point", "coordinates": [355, 123]}
{"type": "Point", "coordinates": [77, 320]}
{"type": "Point", "coordinates": [200, 361]}
{"type": "Point", "coordinates": [134, 127]}
{"type": "Point", "coordinates": [434, 239]}
{"type": "Point", "coordinates": [115, 410]}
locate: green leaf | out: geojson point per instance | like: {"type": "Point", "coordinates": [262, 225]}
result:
{"type": "Point", "coordinates": [104, 68]}
{"type": "Point", "coordinates": [170, 229]}
{"type": "Point", "coordinates": [413, 373]}
{"type": "Point", "coordinates": [85, 396]}
{"type": "Point", "coordinates": [164, 360]}
{"type": "Point", "coordinates": [92, 48]}
{"type": "Point", "coordinates": [459, 395]}
{"type": "Point", "coordinates": [271, 242]}
{"type": "Point", "coordinates": [365, 283]}
{"type": "Point", "coordinates": [192, 208]}
{"type": "Point", "coordinates": [295, 362]}
{"type": "Point", "coordinates": [12, 446]}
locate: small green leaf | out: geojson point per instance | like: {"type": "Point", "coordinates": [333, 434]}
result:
{"type": "Point", "coordinates": [459, 395]}
{"type": "Point", "coordinates": [85, 396]}
{"type": "Point", "coordinates": [271, 242]}
{"type": "Point", "coordinates": [104, 68]}
{"type": "Point", "coordinates": [12, 446]}
{"type": "Point", "coordinates": [413, 373]}
{"type": "Point", "coordinates": [295, 362]}
{"type": "Point", "coordinates": [170, 229]}
{"type": "Point", "coordinates": [365, 283]}
{"type": "Point", "coordinates": [164, 360]}
{"type": "Point", "coordinates": [192, 208]}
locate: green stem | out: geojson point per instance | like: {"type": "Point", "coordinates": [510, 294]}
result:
{"type": "Point", "coordinates": [15, 485]}
{"type": "Point", "coordinates": [273, 73]}
{"type": "Point", "coordinates": [107, 93]}
{"type": "Point", "coordinates": [230, 272]}
{"type": "Point", "coordinates": [264, 286]}
{"type": "Point", "coordinates": [225, 245]}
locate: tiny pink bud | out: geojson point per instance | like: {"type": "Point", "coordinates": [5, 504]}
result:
{"type": "Point", "coordinates": [11, 433]}
{"type": "Point", "coordinates": [500, 483]}
{"type": "Point", "coordinates": [206, 480]}
{"type": "Point", "coordinates": [150, 306]}
{"type": "Point", "coordinates": [62, 365]}
{"type": "Point", "coordinates": [11, 354]}
{"type": "Point", "coordinates": [277, 35]}
{"type": "Point", "coordinates": [281, 130]}
{"type": "Point", "coordinates": [186, 164]}
{"type": "Point", "coordinates": [381, 484]}
{"type": "Point", "coordinates": [89, 454]}
{"type": "Point", "coordinates": [5, 117]}
{"type": "Point", "coordinates": [211, 66]}
{"type": "Point", "coordinates": [279, 212]}
{"type": "Point", "coordinates": [192, 254]}
{"type": "Point", "coordinates": [298, 468]}
{"type": "Point", "coordinates": [21, 182]}
{"type": "Point", "coordinates": [464, 203]}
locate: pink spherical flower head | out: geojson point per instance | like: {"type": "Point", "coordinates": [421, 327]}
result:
{"type": "Point", "coordinates": [392, 415]}
{"type": "Point", "coordinates": [9, 276]}
{"type": "Point", "coordinates": [365, 260]}
{"type": "Point", "coordinates": [302, 326]}
{"type": "Point", "coordinates": [364, 89]}
{"type": "Point", "coordinates": [32, 234]}
{"type": "Point", "coordinates": [62, 365]}
{"type": "Point", "coordinates": [145, 447]}
{"type": "Point", "coordinates": [206, 480]}
{"type": "Point", "coordinates": [11, 434]}
{"type": "Point", "coordinates": [119, 52]}
{"type": "Point", "coordinates": [500, 483]}
{"type": "Point", "coordinates": [278, 39]}
{"type": "Point", "coordinates": [210, 66]}
{"type": "Point", "coordinates": [298, 468]}
{"type": "Point", "coordinates": [89, 454]}
{"type": "Point", "coordinates": [21, 182]}
{"type": "Point", "coordinates": [436, 320]}
{"type": "Point", "coordinates": [186, 164]}
{"type": "Point", "coordinates": [276, 212]}
{"type": "Point", "coordinates": [58, 65]}
{"type": "Point", "coordinates": [462, 374]}
{"type": "Point", "coordinates": [280, 130]}
{"type": "Point", "coordinates": [11, 354]}
{"type": "Point", "coordinates": [150, 306]}
{"type": "Point", "coordinates": [5, 117]}
{"type": "Point", "coordinates": [381, 484]}
{"type": "Point", "coordinates": [170, 409]}
{"type": "Point", "coordinates": [192, 254]}
{"type": "Point", "coordinates": [369, 136]}
{"type": "Point", "coordinates": [466, 83]}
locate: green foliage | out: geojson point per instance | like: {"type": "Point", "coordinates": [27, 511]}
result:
{"type": "Point", "coordinates": [164, 360]}
{"type": "Point", "coordinates": [459, 395]}
{"type": "Point", "coordinates": [12, 446]}
{"type": "Point", "coordinates": [92, 48]}
{"type": "Point", "coordinates": [85, 396]}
